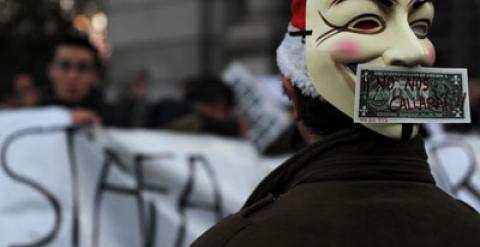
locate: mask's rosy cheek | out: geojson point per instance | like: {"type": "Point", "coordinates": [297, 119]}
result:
{"type": "Point", "coordinates": [346, 49]}
{"type": "Point", "coordinates": [430, 53]}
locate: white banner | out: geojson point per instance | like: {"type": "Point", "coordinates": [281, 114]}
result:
{"type": "Point", "coordinates": [62, 187]}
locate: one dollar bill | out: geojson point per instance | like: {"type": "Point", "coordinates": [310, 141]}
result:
{"type": "Point", "coordinates": [388, 94]}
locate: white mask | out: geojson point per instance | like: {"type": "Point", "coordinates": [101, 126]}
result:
{"type": "Point", "coordinates": [348, 32]}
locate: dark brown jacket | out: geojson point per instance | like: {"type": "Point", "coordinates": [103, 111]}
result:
{"type": "Point", "coordinates": [354, 188]}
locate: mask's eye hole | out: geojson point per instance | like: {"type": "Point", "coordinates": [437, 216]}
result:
{"type": "Point", "coordinates": [366, 24]}
{"type": "Point", "coordinates": [420, 28]}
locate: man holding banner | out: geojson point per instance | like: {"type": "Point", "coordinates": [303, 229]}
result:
{"type": "Point", "coordinates": [74, 71]}
{"type": "Point", "coordinates": [355, 71]}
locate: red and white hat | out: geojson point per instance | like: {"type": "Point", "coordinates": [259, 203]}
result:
{"type": "Point", "coordinates": [291, 52]}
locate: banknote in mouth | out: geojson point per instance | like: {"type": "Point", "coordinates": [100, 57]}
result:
{"type": "Point", "coordinates": [390, 94]}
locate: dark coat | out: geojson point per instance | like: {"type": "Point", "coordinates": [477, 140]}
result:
{"type": "Point", "coordinates": [354, 188]}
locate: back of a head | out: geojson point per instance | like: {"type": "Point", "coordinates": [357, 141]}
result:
{"type": "Point", "coordinates": [208, 90]}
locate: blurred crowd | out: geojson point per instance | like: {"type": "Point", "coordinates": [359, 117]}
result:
{"type": "Point", "coordinates": [207, 104]}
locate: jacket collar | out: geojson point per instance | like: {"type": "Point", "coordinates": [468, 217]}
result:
{"type": "Point", "coordinates": [351, 154]}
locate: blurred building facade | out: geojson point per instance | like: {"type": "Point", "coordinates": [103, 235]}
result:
{"type": "Point", "coordinates": [174, 39]}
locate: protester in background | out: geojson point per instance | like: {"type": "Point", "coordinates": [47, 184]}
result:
{"type": "Point", "coordinates": [215, 103]}
{"type": "Point", "coordinates": [74, 71]}
{"type": "Point", "coordinates": [130, 110]}
{"type": "Point", "coordinates": [208, 106]}
{"type": "Point", "coordinates": [25, 90]}
{"type": "Point", "coordinates": [175, 115]}
{"type": "Point", "coordinates": [17, 89]}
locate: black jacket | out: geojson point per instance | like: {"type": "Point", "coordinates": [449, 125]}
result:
{"type": "Point", "coordinates": [354, 188]}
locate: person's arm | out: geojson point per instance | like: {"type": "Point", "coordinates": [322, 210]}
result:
{"type": "Point", "coordinates": [84, 116]}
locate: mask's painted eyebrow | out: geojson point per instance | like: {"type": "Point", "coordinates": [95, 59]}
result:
{"type": "Point", "coordinates": [418, 3]}
{"type": "Point", "coordinates": [335, 2]}
{"type": "Point", "coordinates": [387, 3]}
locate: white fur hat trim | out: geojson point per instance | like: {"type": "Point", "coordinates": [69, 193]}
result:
{"type": "Point", "coordinates": [291, 62]}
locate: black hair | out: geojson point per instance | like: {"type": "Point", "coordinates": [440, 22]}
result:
{"type": "Point", "coordinates": [81, 41]}
{"type": "Point", "coordinates": [321, 117]}
{"type": "Point", "coordinates": [209, 90]}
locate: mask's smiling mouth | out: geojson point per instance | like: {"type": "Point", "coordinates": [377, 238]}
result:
{"type": "Point", "coordinates": [353, 67]}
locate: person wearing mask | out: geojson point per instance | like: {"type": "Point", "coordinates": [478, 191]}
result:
{"type": "Point", "coordinates": [362, 185]}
